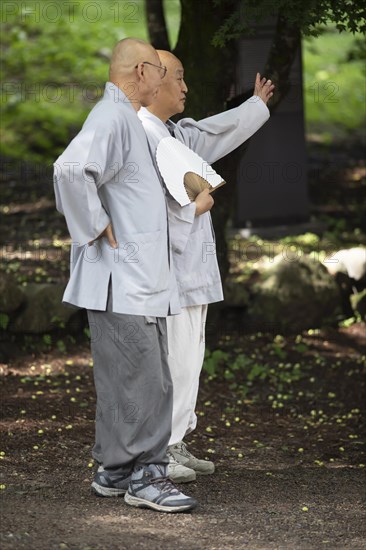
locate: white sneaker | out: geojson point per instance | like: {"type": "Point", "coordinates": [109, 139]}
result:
{"type": "Point", "coordinates": [182, 456]}
{"type": "Point", "coordinates": [179, 473]}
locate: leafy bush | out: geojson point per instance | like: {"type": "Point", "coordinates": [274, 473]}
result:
{"type": "Point", "coordinates": [55, 64]}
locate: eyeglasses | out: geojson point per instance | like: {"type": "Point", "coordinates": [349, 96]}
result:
{"type": "Point", "coordinates": [161, 67]}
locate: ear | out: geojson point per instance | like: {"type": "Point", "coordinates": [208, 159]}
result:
{"type": "Point", "coordinates": [140, 71]}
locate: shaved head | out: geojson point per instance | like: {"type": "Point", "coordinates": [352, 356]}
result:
{"type": "Point", "coordinates": [172, 63]}
{"type": "Point", "coordinates": [136, 69]}
{"type": "Point", "coordinates": [128, 53]}
{"type": "Point", "coordinates": [170, 98]}
{"type": "Point", "coordinates": [168, 58]}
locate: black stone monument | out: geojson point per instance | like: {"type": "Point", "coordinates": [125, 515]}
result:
{"type": "Point", "coordinates": [272, 175]}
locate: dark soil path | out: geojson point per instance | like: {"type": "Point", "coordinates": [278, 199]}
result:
{"type": "Point", "coordinates": [287, 442]}
{"type": "Point", "coordinates": [288, 476]}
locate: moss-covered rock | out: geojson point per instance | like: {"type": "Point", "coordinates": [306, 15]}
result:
{"type": "Point", "coordinates": [43, 311]}
{"type": "Point", "coordinates": [294, 295]}
{"type": "Point", "coordinates": [11, 295]}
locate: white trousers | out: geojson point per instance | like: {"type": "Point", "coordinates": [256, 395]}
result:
{"type": "Point", "coordinates": [186, 345]}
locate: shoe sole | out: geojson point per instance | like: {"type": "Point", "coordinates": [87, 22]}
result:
{"type": "Point", "coordinates": [142, 503]}
{"type": "Point", "coordinates": [101, 491]}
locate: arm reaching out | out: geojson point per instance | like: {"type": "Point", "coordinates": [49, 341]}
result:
{"type": "Point", "coordinates": [214, 137]}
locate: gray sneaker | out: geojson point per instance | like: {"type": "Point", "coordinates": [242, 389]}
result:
{"type": "Point", "coordinates": [151, 488]}
{"type": "Point", "coordinates": [181, 454]}
{"type": "Point", "coordinates": [179, 473]}
{"type": "Point", "coordinates": [106, 485]}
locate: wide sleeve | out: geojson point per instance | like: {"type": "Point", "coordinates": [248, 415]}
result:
{"type": "Point", "coordinates": [181, 220]}
{"type": "Point", "coordinates": [87, 164]}
{"type": "Point", "coordinates": [214, 137]}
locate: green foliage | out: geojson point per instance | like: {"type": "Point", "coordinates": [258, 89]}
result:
{"type": "Point", "coordinates": [247, 373]}
{"type": "Point", "coordinates": [57, 322]}
{"type": "Point", "coordinates": [4, 320]}
{"type": "Point", "coordinates": [351, 320]}
{"type": "Point", "coordinates": [279, 351]}
{"type": "Point", "coordinates": [307, 16]}
{"type": "Point", "coordinates": [61, 346]}
{"type": "Point", "coordinates": [334, 74]}
{"type": "Point", "coordinates": [358, 53]}
{"type": "Point", "coordinates": [55, 64]}
{"type": "Point", "coordinates": [213, 360]}
{"type": "Point", "coordinates": [172, 12]}
{"type": "Point", "coordinates": [47, 339]}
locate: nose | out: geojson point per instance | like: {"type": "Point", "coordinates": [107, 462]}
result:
{"type": "Point", "coordinates": [184, 87]}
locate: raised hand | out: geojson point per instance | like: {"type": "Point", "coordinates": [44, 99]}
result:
{"type": "Point", "coordinates": [263, 88]}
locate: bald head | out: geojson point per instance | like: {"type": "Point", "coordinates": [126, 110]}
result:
{"type": "Point", "coordinates": [171, 95]}
{"type": "Point", "coordinates": [168, 59]}
{"type": "Point", "coordinates": [128, 53]}
{"type": "Point", "coordinates": [135, 69]}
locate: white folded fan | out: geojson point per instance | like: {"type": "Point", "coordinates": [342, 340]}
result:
{"type": "Point", "coordinates": [184, 172]}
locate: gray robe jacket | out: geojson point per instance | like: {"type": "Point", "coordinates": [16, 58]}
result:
{"type": "Point", "coordinates": [105, 175]}
{"type": "Point", "coordinates": [192, 237]}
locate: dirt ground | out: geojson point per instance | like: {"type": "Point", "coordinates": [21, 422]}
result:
{"type": "Point", "coordinates": [288, 449]}
{"type": "Point", "coordinates": [291, 477]}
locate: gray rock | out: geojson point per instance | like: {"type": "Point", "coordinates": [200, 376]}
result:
{"type": "Point", "coordinates": [44, 311]}
{"type": "Point", "coordinates": [294, 295]}
{"type": "Point", "coordinates": [11, 295]}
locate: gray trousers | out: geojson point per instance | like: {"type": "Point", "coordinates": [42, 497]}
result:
{"type": "Point", "coordinates": [134, 389]}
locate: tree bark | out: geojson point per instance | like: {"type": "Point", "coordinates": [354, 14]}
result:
{"type": "Point", "coordinates": [283, 51]}
{"type": "Point", "coordinates": [156, 24]}
{"type": "Point", "coordinates": [209, 71]}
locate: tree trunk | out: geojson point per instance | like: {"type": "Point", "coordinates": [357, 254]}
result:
{"type": "Point", "coordinates": [281, 57]}
{"type": "Point", "coordinates": [209, 73]}
{"type": "Point", "coordinates": [156, 24]}
{"type": "Point", "coordinates": [210, 76]}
